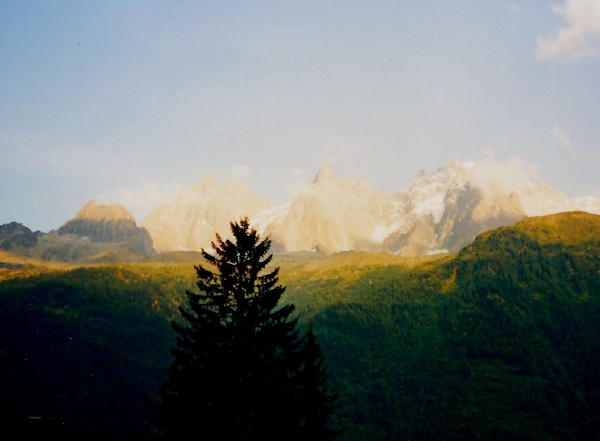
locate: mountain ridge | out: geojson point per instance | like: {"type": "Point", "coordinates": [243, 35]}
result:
{"type": "Point", "coordinates": [440, 212]}
{"type": "Point", "coordinates": [509, 326]}
{"type": "Point", "coordinates": [97, 233]}
{"type": "Point", "coordinates": [205, 208]}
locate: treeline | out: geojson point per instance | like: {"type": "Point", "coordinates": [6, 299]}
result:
{"type": "Point", "coordinates": [497, 342]}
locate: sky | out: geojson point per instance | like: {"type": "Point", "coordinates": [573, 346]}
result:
{"type": "Point", "coordinates": [129, 102]}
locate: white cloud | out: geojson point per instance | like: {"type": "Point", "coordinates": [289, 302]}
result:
{"type": "Point", "coordinates": [240, 171]}
{"type": "Point", "coordinates": [141, 199]}
{"type": "Point", "coordinates": [564, 139]}
{"type": "Point", "coordinates": [581, 35]}
{"type": "Point", "coordinates": [512, 175]}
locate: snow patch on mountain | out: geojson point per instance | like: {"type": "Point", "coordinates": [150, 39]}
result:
{"type": "Point", "coordinates": [428, 192]}
{"type": "Point", "coordinates": [440, 212]}
{"type": "Point", "coordinates": [261, 220]}
{"type": "Point", "coordinates": [380, 232]}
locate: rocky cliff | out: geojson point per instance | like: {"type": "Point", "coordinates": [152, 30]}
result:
{"type": "Point", "coordinates": [440, 212]}
{"type": "Point", "coordinates": [16, 237]}
{"type": "Point", "coordinates": [102, 223]}
{"type": "Point", "coordinates": [444, 211]}
{"type": "Point", "coordinates": [98, 233]}
{"type": "Point", "coordinates": [331, 215]}
{"type": "Point", "coordinates": [94, 225]}
{"type": "Point", "coordinates": [205, 208]}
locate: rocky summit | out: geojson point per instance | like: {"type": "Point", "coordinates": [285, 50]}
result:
{"type": "Point", "coordinates": [16, 237]}
{"type": "Point", "coordinates": [205, 208]}
{"type": "Point", "coordinates": [103, 223]}
{"type": "Point", "coordinates": [440, 212]}
{"type": "Point", "coordinates": [330, 215]}
{"type": "Point", "coordinates": [101, 232]}
{"type": "Point", "coordinates": [98, 233]}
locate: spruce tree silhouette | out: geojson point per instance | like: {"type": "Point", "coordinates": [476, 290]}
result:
{"type": "Point", "coordinates": [316, 405]}
{"type": "Point", "coordinates": [240, 370]}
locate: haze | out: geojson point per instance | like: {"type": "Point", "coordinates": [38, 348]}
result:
{"type": "Point", "coordinates": [130, 101]}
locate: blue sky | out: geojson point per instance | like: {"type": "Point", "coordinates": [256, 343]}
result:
{"type": "Point", "coordinates": [129, 101]}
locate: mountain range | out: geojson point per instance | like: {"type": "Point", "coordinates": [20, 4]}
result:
{"type": "Point", "coordinates": [498, 341]}
{"type": "Point", "coordinates": [440, 212]}
{"type": "Point", "coordinates": [98, 233]}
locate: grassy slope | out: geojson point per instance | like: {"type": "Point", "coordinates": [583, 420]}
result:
{"type": "Point", "coordinates": [498, 342]}
{"type": "Point", "coordinates": [566, 229]}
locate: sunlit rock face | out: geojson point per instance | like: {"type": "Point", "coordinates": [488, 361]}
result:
{"type": "Point", "coordinates": [474, 212]}
{"type": "Point", "coordinates": [109, 224]}
{"type": "Point", "coordinates": [101, 223]}
{"type": "Point", "coordinates": [426, 204]}
{"type": "Point", "coordinates": [330, 215]}
{"type": "Point", "coordinates": [440, 212]}
{"type": "Point", "coordinates": [205, 208]}
{"type": "Point", "coordinates": [104, 213]}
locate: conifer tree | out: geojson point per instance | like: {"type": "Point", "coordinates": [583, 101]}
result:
{"type": "Point", "coordinates": [316, 404]}
{"type": "Point", "coordinates": [240, 369]}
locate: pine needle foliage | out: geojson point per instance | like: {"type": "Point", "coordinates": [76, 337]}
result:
{"type": "Point", "coordinates": [241, 370]}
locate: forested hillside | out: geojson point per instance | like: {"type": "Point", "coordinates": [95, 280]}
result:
{"type": "Point", "coordinates": [497, 342]}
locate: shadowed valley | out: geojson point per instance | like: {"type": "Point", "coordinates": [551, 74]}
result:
{"type": "Point", "coordinates": [498, 341]}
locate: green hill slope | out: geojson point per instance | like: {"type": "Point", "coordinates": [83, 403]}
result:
{"type": "Point", "coordinates": [497, 342]}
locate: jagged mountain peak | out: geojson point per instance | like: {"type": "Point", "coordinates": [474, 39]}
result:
{"type": "Point", "coordinates": [326, 182]}
{"type": "Point", "coordinates": [325, 174]}
{"type": "Point", "coordinates": [441, 211]}
{"type": "Point", "coordinates": [111, 225]}
{"type": "Point", "coordinates": [206, 183]}
{"type": "Point", "coordinates": [104, 212]}
{"type": "Point", "coordinates": [428, 192]}
{"type": "Point", "coordinates": [331, 215]}
{"type": "Point", "coordinates": [205, 208]}
{"type": "Point", "coordinates": [421, 174]}
{"type": "Point", "coordinates": [443, 175]}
